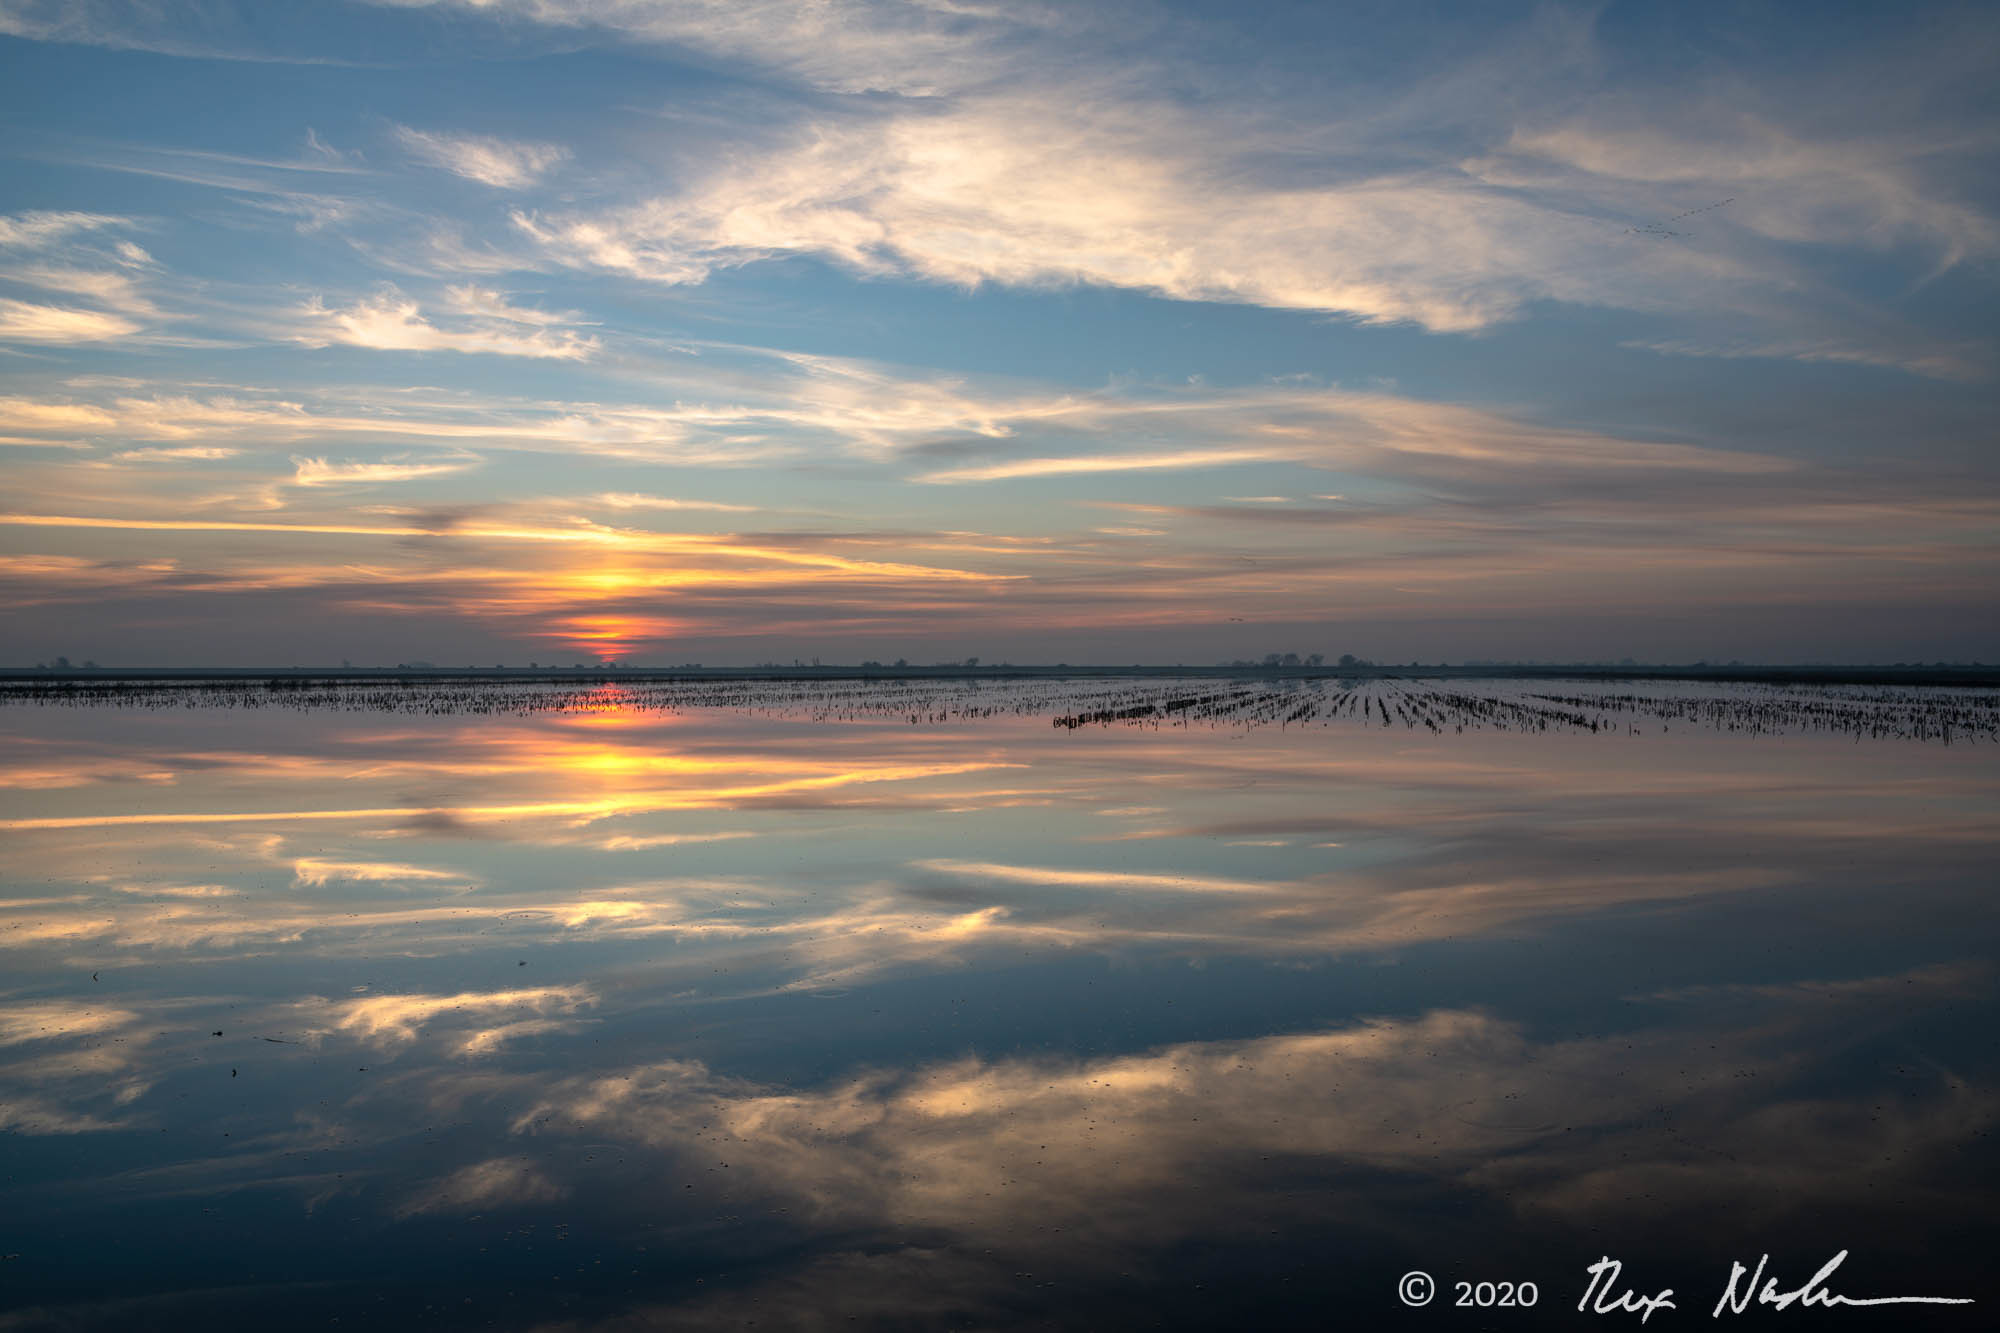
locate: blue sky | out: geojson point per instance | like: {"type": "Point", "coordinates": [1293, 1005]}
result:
{"type": "Point", "coordinates": [548, 330]}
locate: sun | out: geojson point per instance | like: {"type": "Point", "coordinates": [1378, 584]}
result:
{"type": "Point", "coordinates": [608, 636]}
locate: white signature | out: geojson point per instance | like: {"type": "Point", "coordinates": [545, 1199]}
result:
{"type": "Point", "coordinates": [1602, 1294]}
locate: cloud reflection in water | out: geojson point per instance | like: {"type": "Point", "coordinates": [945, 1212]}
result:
{"type": "Point", "coordinates": [962, 1002]}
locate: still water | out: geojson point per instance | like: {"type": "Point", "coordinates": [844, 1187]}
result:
{"type": "Point", "coordinates": [594, 1010]}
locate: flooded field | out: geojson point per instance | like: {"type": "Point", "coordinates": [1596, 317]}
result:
{"type": "Point", "coordinates": [994, 1004]}
{"type": "Point", "coordinates": [1437, 705]}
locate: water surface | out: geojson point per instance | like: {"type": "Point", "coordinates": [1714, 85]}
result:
{"type": "Point", "coordinates": [839, 1007]}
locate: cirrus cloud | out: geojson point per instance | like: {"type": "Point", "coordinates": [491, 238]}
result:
{"type": "Point", "coordinates": [504, 164]}
{"type": "Point", "coordinates": [391, 322]}
{"type": "Point", "coordinates": [22, 321]}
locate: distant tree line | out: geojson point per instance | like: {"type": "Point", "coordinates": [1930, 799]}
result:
{"type": "Point", "coordinates": [1283, 661]}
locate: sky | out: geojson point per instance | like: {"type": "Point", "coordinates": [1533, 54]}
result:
{"type": "Point", "coordinates": [733, 331]}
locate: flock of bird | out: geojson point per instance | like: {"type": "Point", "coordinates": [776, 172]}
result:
{"type": "Point", "coordinates": [1665, 228]}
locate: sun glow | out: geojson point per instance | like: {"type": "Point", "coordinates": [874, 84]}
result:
{"type": "Point", "coordinates": [606, 636]}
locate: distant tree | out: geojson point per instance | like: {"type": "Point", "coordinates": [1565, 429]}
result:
{"type": "Point", "coordinates": [1315, 659]}
{"type": "Point", "coordinates": [62, 664]}
{"type": "Point", "coordinates": [972, 661]}
{"type": "Point", "coordinates": [1291, 660]}
{"type": "Point", "coordinates": [1349, 660]}
{"type": "Point", "coordinates": [902, 662]}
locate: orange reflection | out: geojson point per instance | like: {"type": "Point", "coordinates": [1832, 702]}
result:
{"type": "Point", "coordinates": [612, 708]}
{"type": "Point", "coordinates": [601, 763]}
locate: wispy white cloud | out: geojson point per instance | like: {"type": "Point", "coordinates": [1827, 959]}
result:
{"type": "Point", "coordinates": [21, 321]}
{"type": "Point", "coordinates": [17, 413]}
{"type": "Point", "coordinates": [1859, 189]}
{"type": "Point", "coordinates": [938, 430]}
{"type": "Point", "coordinates": [119, 291]}
{"type": "Point", "coordinates": [77, 257]}
{"type": "Point", "coordinates": [1010, 190]}
{"type": "Point", "coordinates": [943, 429]}
{"type": "Point", "coordinates": [628, 842]}
{"type": "Point", "coordinates": [392, 322]}
{"type": "Point", "coordinates": [487, 303]}
{"type": "Point", "coordinates": [1382, 434]}
{"type": "Point", "coordinates": [325, 152]}
{"type": "Point", "coordinates": [727, 406]}
{"type": "Point", "coordinates": [914, 47]}
{"type": "Point", "coordinates": [206, 31]}
{"type": "Point", "coordinates": [632, 500]}
{"type": "Point", "coordinates": [1104, 462]}
{"type": "Point", "coordinates": [1931, 359]}
{"type": "Point", "coordinates": [505, 164]}
{"type": "Point", "coordinates": [319, 472]}
{"type": "Point", "coordinates": [41, 229]}
{"type": "Point", "coordinates": [1033, 146]}
{"type": "Point", "coordinates": [1026, 191]}
{"type": "Point", "coordinates": [693, 434]}
{"type": "Point", "coordinates": [186, 454]}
